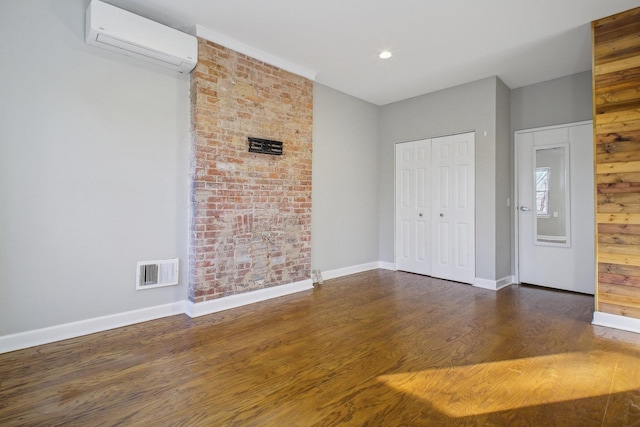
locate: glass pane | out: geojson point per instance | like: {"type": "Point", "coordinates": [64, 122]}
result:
{"type": "Point", "coordinates": [542, 179]}
{"type": "Point", "coordinates": [552, 195]}
{"type": "Point", "coordinates": [542, 207]}
{"type": "Point", "coordinates": [542, 190]}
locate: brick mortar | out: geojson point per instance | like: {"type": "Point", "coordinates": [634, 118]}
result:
{"type": "Point", "coordinates": [250, 214]}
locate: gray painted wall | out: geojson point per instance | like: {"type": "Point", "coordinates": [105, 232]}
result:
{"type": "Point", "coordinates": [488, 105]}
{"type": "Point", "coordinates": [345, 180]}
{"type": "Point", "coordinates": [504, 180]}
{"type": "Point", "coordinates": [93, 171]}
{"type": "Point", "coordinates": [94, 156]}
{"type": "Point", "coordinates": [564, 100]}
{"type": "Point", "coordinates": [468, 107]}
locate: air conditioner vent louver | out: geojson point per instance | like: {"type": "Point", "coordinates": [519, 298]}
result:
{"type": "Point", "coordinates": [127, 48]}
{"type": "Point", "coordinates": [118, 30]}
{"type": "Point", "coordinates": [154, 274]}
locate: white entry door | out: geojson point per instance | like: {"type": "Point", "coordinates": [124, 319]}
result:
{"type": "Point", "coordinates": [435, 210]}
{"type": "Point", "coordinates": [453, 207]}
{"type": "Point", "coordinates": [413, 206]}
{"type": "Point", "coordinates": [555, 210]}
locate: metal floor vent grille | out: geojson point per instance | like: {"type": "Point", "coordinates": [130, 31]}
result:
{"type": "Point", "coordinates": [154, 274]}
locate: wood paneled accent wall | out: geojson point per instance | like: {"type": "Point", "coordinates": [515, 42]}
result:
{"type": "Point", "coordinates": [616, 85]}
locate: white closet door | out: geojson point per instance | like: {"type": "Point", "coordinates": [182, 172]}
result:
{"type": "Point", "coordinates": [435, 209]}
{"type": "Point", "coordinates": [413, 207]}
{"type": "Point", "coordinates": [453, 211]}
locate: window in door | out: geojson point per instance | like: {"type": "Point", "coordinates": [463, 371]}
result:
{"type": "Point", "coordinates": [542, 191]}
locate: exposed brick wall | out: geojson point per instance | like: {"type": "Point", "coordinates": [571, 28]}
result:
{"type": "Point", "coordinates": [250, 213]}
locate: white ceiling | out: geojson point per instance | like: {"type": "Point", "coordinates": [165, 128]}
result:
{"type": "Point", "coordinates": [436, 43]}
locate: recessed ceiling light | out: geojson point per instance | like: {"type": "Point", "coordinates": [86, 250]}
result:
{"type": "Point", "coordinates": [385, 54]}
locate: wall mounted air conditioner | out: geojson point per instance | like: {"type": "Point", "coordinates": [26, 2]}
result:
{"type": "Point", "coordinates": [118, 30]}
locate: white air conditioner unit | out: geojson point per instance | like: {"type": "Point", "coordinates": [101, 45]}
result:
{"type": "Point", "coordinates": [117, 30]}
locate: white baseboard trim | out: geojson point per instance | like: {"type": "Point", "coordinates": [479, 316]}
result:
{"type": "Point", "coordinates": [233, 301]}
{"type": "Point", "coordinates": [493, 285]}
{"type": "Point", "coordinates": [614, 321]}
{"type": "Point", "coordinates": [65, 331]}
{"type": "Point", "coordinates": [387, 266]}
{"type": "Point", "coordinates": [340, 272]}
{"type": "Point", "coordinates": [85, 327]}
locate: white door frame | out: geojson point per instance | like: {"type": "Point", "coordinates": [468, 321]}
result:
{"type": "Point", "coordinates": [516, 198]}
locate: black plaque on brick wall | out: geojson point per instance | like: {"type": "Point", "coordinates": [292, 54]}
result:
{"type": "Point", "coordinates": [265, 146]}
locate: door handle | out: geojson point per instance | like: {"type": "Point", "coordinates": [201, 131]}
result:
{"type": "Point", "coordinates": [524, 208]}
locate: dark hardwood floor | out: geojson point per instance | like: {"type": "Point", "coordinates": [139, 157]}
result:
{"type": "Point", "coordinates": [379, 348]}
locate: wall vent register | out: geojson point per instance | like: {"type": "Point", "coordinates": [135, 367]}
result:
{"type": "Point", "coordinates": [155, 274]}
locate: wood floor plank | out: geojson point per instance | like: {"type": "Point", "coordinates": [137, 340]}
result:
{"type": "Point", "coordinates": [375, 348]}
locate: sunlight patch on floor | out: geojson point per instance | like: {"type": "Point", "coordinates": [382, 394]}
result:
{"type": "Point", "coordinates": [461, 391]}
